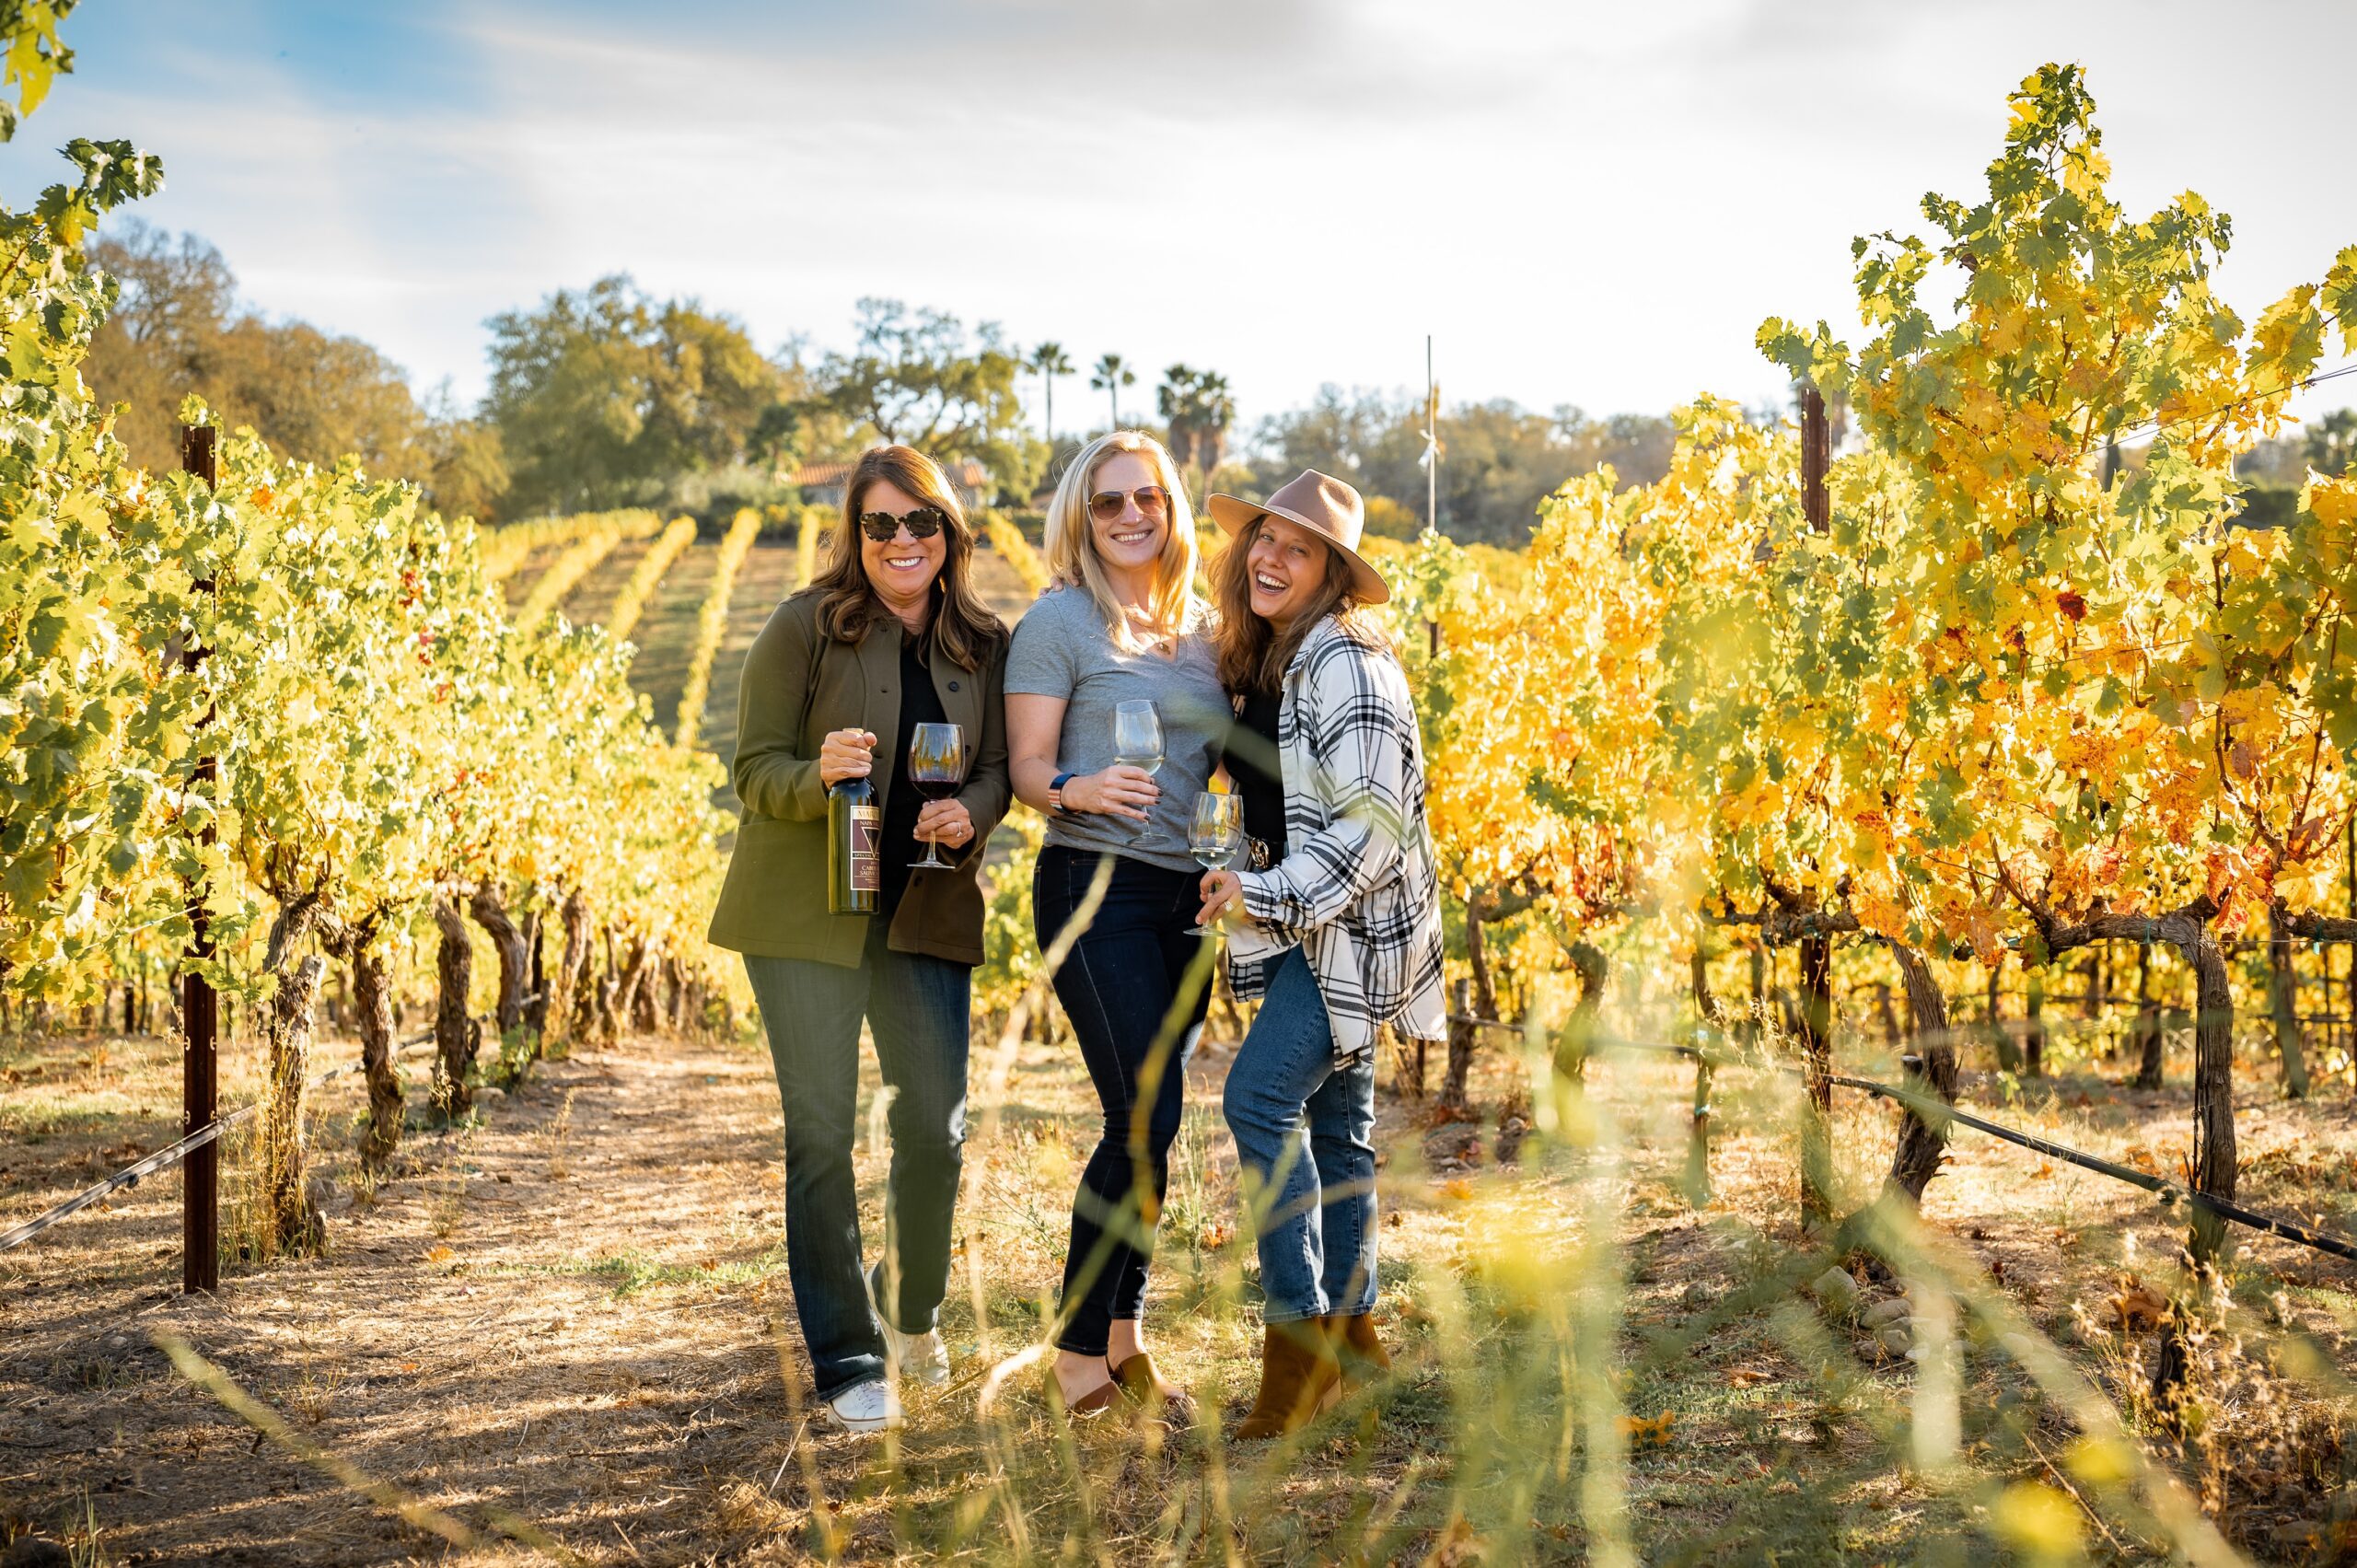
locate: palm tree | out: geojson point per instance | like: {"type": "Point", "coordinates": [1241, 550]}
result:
{"type": "Point", "coordinates": [1176, 399]}
{"type": "Point", "coordinates": [1199, 410]}
{"type": "Point", "coordinates": [1113, 373]}
{"type": "Point", "coordinates": [1050, 361]}
{"type": "Point", "coordinates": [1214, 414]}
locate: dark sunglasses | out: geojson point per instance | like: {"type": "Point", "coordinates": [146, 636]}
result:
{"type": "Point", "coordinates": [924, 523]}
{"type": "Point", "coordinates": [1152, 499]}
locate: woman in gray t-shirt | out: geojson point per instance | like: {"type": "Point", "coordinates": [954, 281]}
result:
{"type": "Point", "coordinates": [1126, 627]}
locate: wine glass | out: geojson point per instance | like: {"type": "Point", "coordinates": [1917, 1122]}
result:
{"type": "Point", "coordinates": [1137, 736]}
{"type": "Point", "coordinates": [937, 767]}
{"type": "Point", "coordinates": [1215, 836]}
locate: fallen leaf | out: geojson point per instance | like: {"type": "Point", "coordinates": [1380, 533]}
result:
{"type": "Point", "coordinates": [1650, 1431]}
{"type": "Point", "coordinates": [2137, 1307]}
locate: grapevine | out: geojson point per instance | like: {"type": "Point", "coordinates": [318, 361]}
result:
{"type": "Point", "coordinates": [711, 624]}
{"type": "Point", "coordinates": [580, 558]}
{"type": "Point", "coordinates": [505, 550]}
{"type": "Point", "coordinates": [1016, 550]}
{"type": "Point", "coordinates": [621, 616]}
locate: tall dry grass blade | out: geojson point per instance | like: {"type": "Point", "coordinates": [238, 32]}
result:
{"type": "Point", "coordinates": [262, 1419]}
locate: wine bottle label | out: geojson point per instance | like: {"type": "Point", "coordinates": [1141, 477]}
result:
{"type": "Point", "coordinates": [866, 862]}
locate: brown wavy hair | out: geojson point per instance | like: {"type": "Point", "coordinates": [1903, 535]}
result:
{"type": "Point", "coordinates": [964, 630]}
{"type": "Point", "coordinates": [1253, 656]}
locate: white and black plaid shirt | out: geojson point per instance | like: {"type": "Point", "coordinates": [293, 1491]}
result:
{"type": "Point", "coordinates": [1357, 890]}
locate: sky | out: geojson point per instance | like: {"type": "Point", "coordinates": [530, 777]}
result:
{"type": "Point", "coordinates": [1583, 204]}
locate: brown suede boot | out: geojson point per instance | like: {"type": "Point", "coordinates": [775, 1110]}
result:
{"type": "Point", "coordinates": [1300, 1376]}
{"type": "Point", "coordinates": [1361, 1353]}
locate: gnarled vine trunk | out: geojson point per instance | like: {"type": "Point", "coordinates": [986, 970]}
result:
{"type": "Point", "coordinates": [609, 989]}
{"type": "Point", "coordinates": [296, 1228]}
{"type": "Point", "coordinates": [571, 1001]}
{"type": "Point", "coordinates": [2214, 1163]}
{"type": "Point", "coordinates": [2033, 1020]}
{"type": "Point", "coordinates": [1816, 1062]}
{"type": "Point", "coordinates": [536, 1004]}
{"type": "Point", "coordinates": [1578, 1033]}
{"type": "Point", "coordinates": [2009, 1051]}
{"type": "Point", "coordinates": [372, 1004]}
{"type": "Point", "coordinates": [453, 1036]}
{"type": "Point", "coordinates": [636, 1006]}
{"type": "Point", "coordinates": [1463, 1035]}
{"type": "Point", "coordinates": [490, 910]}
{"type": "Point", "coordinates": [1698, 1135]}
{"type": "Point", "coordinates": [2282, 1001]}
{"type": "Point", "coordinates": [1756, 1019]}
{"type": "Point", "coordinates": [2149, 1033]}
{"type": "Point", "coordinates": [1922, 1142]}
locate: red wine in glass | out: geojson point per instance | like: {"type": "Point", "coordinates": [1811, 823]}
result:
{"type": "Point", "coordinates": [937, 767]}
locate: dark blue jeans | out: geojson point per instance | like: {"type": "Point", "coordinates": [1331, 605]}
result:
{"type": "Point", "coordinates": [1305, 1130]}
{"type": "Point", "coordinates": [917, 1009]}
{"type": "Point", "coordinates": [1121, 987]}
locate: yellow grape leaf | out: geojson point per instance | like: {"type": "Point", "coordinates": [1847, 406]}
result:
{"type": "Point", "coordinates": [1650, 1431]}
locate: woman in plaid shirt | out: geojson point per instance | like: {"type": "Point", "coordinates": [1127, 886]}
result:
{"type": "Point", "coordinates": [1337, 928]}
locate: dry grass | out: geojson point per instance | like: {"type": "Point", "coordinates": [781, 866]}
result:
{"type": "Point", "coordinates": [578, 1312]}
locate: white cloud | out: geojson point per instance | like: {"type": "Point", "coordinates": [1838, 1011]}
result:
{"type": "Point", "coordinates": [1591, 204]}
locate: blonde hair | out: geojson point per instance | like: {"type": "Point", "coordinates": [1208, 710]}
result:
{"type": "Point", "coordinates": [1072, 543]}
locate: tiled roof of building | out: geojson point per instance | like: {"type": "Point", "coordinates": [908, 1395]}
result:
{"type": "Point", "coordinates": [965, 472]}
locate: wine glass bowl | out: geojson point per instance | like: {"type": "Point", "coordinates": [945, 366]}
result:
{"type": "Point", "coordinates": [1215, 835]}
{"type": "Point", "coordinates": [1137, 736]}
{"type": "Point", "coordinates": [937, 767]}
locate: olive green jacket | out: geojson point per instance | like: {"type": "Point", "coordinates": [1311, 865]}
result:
{"type": "Point", "coordinates": [798, 686]}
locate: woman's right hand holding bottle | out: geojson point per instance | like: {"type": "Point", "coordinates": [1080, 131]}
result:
{"type": "Point", "coordinates": [848, 754]}
{"type": "Point", "coordinates": [1117, 791]}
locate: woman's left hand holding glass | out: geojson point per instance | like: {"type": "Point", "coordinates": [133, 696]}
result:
{"type": "Point", "coordinates": [946, 822]}
{"type": "Point", "coordinates": [1222, 891]}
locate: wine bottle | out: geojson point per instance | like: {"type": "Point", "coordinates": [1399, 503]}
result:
{"type": "Point", "coordinates": [854, 866]}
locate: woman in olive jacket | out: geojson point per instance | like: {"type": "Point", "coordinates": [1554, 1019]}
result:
{"type": "Point", "coordinates": [891, 634]}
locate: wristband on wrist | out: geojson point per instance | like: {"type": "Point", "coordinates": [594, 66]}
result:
{"type": "Point", "coordinates": [1056, 792]}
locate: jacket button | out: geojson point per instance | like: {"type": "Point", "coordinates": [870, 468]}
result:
{"type": "Point", "coordinates": [953, 685]}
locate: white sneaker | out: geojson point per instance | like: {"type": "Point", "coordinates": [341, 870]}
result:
{"type": "Point", "coordinates": [920, 1356]}
{"type": "Point", "coordinates": [865, 1406]}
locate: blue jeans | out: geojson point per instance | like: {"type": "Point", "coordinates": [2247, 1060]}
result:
{"type": "Point", "coordinates": [1120, 987]}
{"type": "Point", "coordinates": [1306, 1129]}
{"type": "Point", "coordinates": [917, 1009]}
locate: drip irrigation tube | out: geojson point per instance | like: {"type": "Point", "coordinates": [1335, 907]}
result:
{"type": "Point", "coordinates": [1932, 1109]}
{"type": "Point", "coordinates": [173, 1154]}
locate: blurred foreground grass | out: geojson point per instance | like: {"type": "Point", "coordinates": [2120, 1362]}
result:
{"type": "Point", "coordinates": [576, 1312]}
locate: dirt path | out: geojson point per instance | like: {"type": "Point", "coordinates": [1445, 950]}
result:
{"type": "Point", "coordinates": [500, 1323]}
{"type": "Point", "coordinates": [576, 1311]}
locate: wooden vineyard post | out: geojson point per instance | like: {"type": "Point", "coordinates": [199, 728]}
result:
{"type": "Point", "coordinates": [200, 1006]}
{"type": "Point", "coordinates": [1817, 949]}
{"type": "Point", "coordinates": [1816, 460]}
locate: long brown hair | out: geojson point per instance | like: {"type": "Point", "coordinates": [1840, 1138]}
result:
{"type": "Point", "coordinates": [964, 631]}
{"type": "Point", "coordinates": [1252, 655]}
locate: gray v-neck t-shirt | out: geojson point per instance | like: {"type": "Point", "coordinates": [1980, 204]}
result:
{"type": "Point", "coordinates": [1062, 649]}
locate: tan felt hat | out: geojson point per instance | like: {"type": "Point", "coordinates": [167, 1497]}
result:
{"type": "Point", "coordinates": [1324, 506]}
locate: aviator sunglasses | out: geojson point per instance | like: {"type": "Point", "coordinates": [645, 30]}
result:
{"type": "Point", "coordinates": [924, 523]}
{"type": "Point", "coordinates": [1152, 499]}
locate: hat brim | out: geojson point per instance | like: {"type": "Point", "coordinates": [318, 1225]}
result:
{"type": "Point", "coordinates": [1234, 513]}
